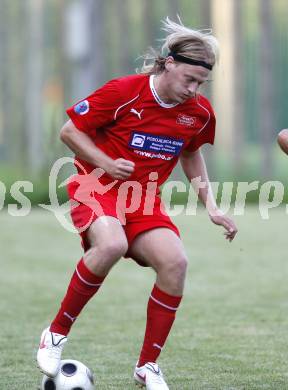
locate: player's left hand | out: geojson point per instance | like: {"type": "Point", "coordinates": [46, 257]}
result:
{"type": "Point", "coordinates": [219, 218]}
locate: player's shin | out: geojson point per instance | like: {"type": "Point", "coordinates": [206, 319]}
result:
{"type": "Point", "coordinates": [83, 285]}
{"type": "Point", "coordinates": [161, 312]}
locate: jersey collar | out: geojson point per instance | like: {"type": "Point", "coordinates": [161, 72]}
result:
{"type": "Point", "coordinates": [157, 97]}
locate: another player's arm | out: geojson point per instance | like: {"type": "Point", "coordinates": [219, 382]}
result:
{"type": "Point", "coordinates": [194, 166]}
{"type": "Point", "coordinates": [282, 140]}
{"type": "Point", "coordinates": [82, 145]}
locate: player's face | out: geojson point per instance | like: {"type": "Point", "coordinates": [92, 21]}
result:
{"type": "Point", "coordinates": [183, 80]}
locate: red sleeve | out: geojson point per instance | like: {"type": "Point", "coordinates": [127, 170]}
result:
{"type": "Point", "coordinates": [206, 133]}
{"type": "Point", "coordinates": [96, 110]}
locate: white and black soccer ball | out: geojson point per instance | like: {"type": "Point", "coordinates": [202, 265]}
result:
{"type": "Point", "coordinates": [73, 375]}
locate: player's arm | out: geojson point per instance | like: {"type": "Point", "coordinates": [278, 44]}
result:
{"type": "Point", "coordinates": [194, 166]}
{"type": "Point", "coordinates": [282, 140]}
{"type": "Point", "coordinates": [82, 145]}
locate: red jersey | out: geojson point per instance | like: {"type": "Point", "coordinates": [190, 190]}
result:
{"type": "Point", "coordinates": [126, 118]}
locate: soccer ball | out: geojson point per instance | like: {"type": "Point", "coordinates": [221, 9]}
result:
{"type": "Point", "coordinates": [73, 375]}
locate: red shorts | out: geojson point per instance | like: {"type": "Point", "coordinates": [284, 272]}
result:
{"type": "Point", "coordinates": [145, 217]}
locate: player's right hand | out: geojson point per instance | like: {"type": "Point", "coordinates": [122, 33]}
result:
{"type": "Point", "coordinates": [219, 218]}
{"type": "Point", "coordinates": [120, 168]}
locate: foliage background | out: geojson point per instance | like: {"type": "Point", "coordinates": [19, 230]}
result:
{"type": "Point", "coordinates": [54, 52]}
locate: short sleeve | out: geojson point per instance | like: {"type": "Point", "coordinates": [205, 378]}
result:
{"type": "Point", "coordinates": [206, 133]}
{"type": "Point", "coordinates": [97, 110]}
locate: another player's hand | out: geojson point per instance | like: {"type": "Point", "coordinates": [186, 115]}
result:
{"type": "Point", "coordinates": [120, 168]}
{"type": "Point", "coordinates": [219, 218]}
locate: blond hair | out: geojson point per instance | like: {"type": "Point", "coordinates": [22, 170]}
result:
{"type": "Point", "coordinates": [195, 44]}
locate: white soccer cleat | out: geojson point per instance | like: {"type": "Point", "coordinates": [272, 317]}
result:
{"type": "Point", "coordinates": [150, 376]}
{"type": "Point", "coordinates": [49, 352]}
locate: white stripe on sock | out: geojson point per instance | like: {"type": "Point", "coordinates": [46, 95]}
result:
{"type": "Point", "coordinates": [163, 304]}
{"type": "Point", "coordinates": [84, 281]}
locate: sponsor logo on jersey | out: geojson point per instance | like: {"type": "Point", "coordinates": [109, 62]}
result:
{"type": "Point", "coordinates": [156, 144]}
{"type": "Point", "coordinates": [186, 120]}
{"type": "Point", "coordinates": [138, 113]}
{"type": "Point", "coordinates": [154, 155]}
{"type": "Point", "coordinates": [138, 140]}
{"type": "Point", "coordinates": [82, 107]}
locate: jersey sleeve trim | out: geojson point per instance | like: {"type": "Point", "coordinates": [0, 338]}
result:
{"type": "Point", "coordinates": [209, 116]}
{"type": "Point", "coordinates": [206, 133]}
{"type": "Point", "coordinates": [125, 104]}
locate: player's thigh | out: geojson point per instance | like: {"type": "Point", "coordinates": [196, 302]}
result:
{"type": "Point", "coordinates": [159, 248]}
{"type": "Point", "coordinates": [106, 234]}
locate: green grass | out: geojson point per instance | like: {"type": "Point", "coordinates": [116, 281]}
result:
{"type": "Point", "coordinates": [230, 333]}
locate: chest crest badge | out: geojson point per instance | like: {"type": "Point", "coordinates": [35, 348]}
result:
{"type": "Point", "coordinates": [186, 120]}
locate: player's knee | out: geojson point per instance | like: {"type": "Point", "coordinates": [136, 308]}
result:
{"type": "Point", "coordinates": [108, 252]}
{"type": "Point", "coordinates": [114, 249]}
{"type": "Point", "coordinates": [178, 266]}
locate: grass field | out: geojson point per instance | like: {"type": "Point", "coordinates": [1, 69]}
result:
{"type": "Point", "coordinates": [231, 331]}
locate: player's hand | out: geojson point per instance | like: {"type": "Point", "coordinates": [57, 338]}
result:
{"type": "Point", "coordinates": [219, 218]}
{"type": "Point", "coordinates": [120, 168]}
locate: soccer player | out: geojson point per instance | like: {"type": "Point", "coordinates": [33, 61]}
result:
{"type": "Point", "coordinates": [135, 129]}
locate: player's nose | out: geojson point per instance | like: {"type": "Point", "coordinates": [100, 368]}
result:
{"type": "Point", "coordinates": [193, 88]}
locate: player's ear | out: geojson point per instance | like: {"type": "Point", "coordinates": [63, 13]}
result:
{"type": "Point", "coordinates": [169, 64]}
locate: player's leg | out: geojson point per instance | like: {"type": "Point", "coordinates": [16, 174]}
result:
{"type": "Point", "coordinates": [92, 269]}
{"type": "Point", "coordinates": [162, 249]}
{"type": "Point", "coordinates": [89, 275]}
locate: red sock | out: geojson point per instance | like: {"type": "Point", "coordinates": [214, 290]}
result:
{"type": "Point", "coordinates": [161, 312]}
{"type": "Point", "coordinates": [83, 285]}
